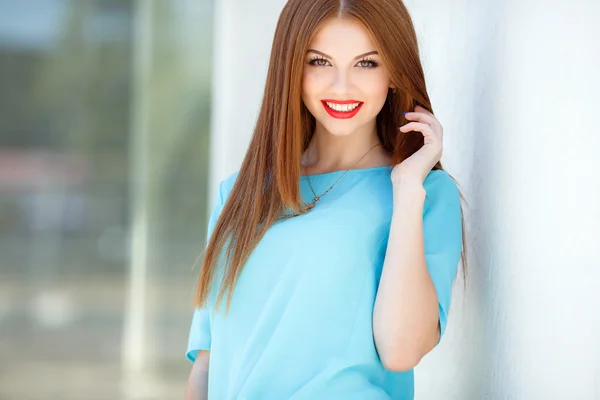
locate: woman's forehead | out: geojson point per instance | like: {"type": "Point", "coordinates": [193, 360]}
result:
{"type": "Point", "coordinates": [342, 36]}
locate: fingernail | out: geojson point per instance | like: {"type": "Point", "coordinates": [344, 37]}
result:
{"type": "Point", "coordinates": [404, 114]}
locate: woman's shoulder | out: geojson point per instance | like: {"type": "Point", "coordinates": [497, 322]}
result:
{"type": "Point", "coordinates": [226, 184]}
{"type": "Point", "coordinates": [440, 186]}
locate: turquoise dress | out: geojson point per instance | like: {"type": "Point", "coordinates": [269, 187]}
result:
{"type": "Point", "coordinates": [300, 326]}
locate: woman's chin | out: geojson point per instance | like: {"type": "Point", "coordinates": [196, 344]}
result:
{"type": "Point", "coordinates": [340, 129]}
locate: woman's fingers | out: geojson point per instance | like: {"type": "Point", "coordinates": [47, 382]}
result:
{"type": "Point", "coordinates": [417, 126]}
{"type": "Point", "coordinates": [421, 117]}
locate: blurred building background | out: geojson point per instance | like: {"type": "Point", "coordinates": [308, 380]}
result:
{"type": "Point", "coordinates": [119, 117]}
{"type": "Point", "coordinates": [104, 119]}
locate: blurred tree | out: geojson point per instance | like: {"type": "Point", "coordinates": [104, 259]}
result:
{"type": "Point", "coordinates": [75, 96]}
{"type": "Point", "coordinates": [83, 90]}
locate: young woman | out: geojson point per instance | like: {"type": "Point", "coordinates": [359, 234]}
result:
{"type": "Point", "coordinates": [337, 242]}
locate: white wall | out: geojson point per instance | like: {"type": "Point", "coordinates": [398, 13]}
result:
{"type": "Point", "coordinates": [244, 32]}
{"type": "Point", "coordinates": [516, 86]}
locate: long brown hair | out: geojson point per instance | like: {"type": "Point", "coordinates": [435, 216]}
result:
{"type": "Point", "coordinates": [267, 182]}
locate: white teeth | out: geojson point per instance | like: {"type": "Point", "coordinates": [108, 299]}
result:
{"type": "Point", "coordinates": [342, 107]}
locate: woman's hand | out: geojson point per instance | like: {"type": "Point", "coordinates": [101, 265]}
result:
{"type": "Point", "coordinates": [418, 165]}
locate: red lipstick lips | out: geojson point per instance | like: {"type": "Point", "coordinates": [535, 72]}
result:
{"type": "Point", "coordinates": [342, 114]}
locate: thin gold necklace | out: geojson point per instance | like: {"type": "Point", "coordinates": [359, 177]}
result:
{"type": "Point", "coordinates": [316, 198]}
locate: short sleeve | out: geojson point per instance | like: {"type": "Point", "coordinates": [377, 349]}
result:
{"type": "Point", "coordinates": [442, 231]}
{"type": "Point", "coordinates": [200, 330]}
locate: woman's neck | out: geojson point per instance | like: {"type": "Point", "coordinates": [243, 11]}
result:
{"type": "Point", "coordinates": [327, 152]}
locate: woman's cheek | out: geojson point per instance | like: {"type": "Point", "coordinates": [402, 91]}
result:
{"type": "Point", "coordinates": [378, 92]}
{"type": "Point", "coordinates": [312, 89]}
{"type": "Point", "coordinates": [309, 84]}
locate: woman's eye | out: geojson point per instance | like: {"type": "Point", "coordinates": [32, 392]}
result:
{"type": "Point", "coordinates": [319, 62]}
{"type": "Point", "coordinates": [322, 62]}
{"type": "Point", "coordinates": [367, 64]}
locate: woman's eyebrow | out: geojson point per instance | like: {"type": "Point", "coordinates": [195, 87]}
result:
{"type": "Point", "coordinates": [356, 58]}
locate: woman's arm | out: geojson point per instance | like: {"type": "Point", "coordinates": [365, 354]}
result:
{"type": "Point", "coordinates": [197, 385]}
{"type": "Point", "coordinates": [405, 316]}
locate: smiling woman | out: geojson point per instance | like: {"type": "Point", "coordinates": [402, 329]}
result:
{"type": "Point", "coordinates": [344, 77]}
{"type": "Point", "coordinates": [341, 296]}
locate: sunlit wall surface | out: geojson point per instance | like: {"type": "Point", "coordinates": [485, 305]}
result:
{"type": "Point", "coordinates": [104, 118]}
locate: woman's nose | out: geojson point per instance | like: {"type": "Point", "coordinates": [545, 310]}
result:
{"type": "Point", "coordinates": [340, 83]}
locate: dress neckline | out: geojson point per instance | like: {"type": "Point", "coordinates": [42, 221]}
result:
{"type": "Point", "coordinates": [351, 171]}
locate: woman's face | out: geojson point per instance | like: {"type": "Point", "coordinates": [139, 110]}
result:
{"type": "Point", "coordinates": [344, 82]}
